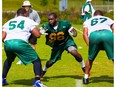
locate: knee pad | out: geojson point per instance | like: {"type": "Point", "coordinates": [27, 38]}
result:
{"type": "Point", "coordinates": [71, 48]}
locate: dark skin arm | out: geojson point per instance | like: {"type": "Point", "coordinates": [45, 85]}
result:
{"type": "Point", "coordinates": [36, 32]}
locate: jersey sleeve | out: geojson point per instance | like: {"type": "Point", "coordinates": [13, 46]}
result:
{"type": "Point", "coordinates": [85, 24]}
{"type": "Point", "coordinates": [110, 21]}
{"type": "Point", "coordinates": [45, 26]}
{"type": "Point", "coordinates": [68, 24]}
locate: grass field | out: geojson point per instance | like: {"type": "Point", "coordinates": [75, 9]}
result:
{"type": "Point", "coordinates": [66, 72]}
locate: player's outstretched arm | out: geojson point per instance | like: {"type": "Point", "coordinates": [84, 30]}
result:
{"type": "Point", "coordinates": [43, 31]}
{"type": "Point", "coordinates": [36, 32]}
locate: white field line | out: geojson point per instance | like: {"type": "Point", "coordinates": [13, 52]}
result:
{"type": "Point", "coordinates": [79, 83]}
{"type": "Point", "coordinates": [79, 30]}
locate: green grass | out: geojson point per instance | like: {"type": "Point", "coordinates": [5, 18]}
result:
{"type": "Point", "coordinates": [64, 72]}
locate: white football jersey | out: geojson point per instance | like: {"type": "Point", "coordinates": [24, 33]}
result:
{"type": "Point", "coordinates": [98, 23]}
{"type": "Point", "coordinates": [19, 28]}
{"type": "Point", "coordinates": [87, 8]}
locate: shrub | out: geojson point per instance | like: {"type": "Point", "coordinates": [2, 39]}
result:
{"type": "Point", "coordinates": [72, 15]}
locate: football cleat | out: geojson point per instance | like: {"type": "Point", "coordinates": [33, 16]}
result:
{"type": "Point", "coordinates": [38, 84]}
{"type": "Point", "coordinates": [85, 81]}
{"type": "Point", "coordinates": [4, 82]}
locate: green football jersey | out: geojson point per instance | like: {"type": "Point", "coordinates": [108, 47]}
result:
{"type": "Point", "coordinates": [57, 36]}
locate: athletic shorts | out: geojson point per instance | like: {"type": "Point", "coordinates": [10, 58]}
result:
{"type": "Point", "coordinates": [21, 49]}
{"type": "Point", "coordinates": [101, 40]}
{"type": "Point", "coordinates": [57, 51]}
{"type": "Point", "coordinates": [32, 39]}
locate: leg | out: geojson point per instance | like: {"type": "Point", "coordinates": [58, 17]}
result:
{"type": "Point", "coordinates": [37, 68]}
{"type": "Point", "coordinates": [109, 45]}
{"type": "Point", "coordinates": [78, 57]}
{"type": "Point", "coordinates": [55, 55]}
{"type": "Point", "coordinates": [8, 62]}
{"type": "Point", "coordinates": [88, 68]}
{"type": "Point", "coordinates": [6, 67]}
{"type": "Point", "coordinates": [48, 64]}
{"type": "Point", "coordinates": [28, 56]}
{"type": "Point", "coordinates": [38, 71]}
{"type": "Point", "coordinates": [32, 41]}
{"type": "Point", "coordinates": [34, 47]}
{"type": "Point", "coordinates": [94, 47]}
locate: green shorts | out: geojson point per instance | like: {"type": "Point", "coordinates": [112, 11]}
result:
{"type": "Point", "coordinates": [57, 51]}
{"type": "Point", "coordinates": [21, 49]}
{"type": "Point", "coordinates": [101, 40]}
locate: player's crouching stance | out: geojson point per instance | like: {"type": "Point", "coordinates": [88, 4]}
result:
{"type": "Point", "coordinates": [15, 36]}
{"type": "Point", "coordinates": [58, 36]}
{"type": "Point", "coordinates": [98, 35]}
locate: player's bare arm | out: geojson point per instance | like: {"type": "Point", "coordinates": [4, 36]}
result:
{"type": "Point", "coordinates": [36, 32]}
{"type": "Point", "coordinates": [85, 35]}
{"type": "Point", "coordinates": [3, 35]}
{"type": "Point", "coordinates": [112, 27]}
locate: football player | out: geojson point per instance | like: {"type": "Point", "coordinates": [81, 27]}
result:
{"type": "Point", "coordinates": [15, 36]}
{"type": "Point", "coordinates": [58, 36]}
{"type": "Point", "coordinates": [98, 35]}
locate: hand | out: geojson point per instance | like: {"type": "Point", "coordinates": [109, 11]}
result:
{"type": "Point", "coordinates": [73, 32]}
{"type": "Point", "coordinates": [43, 31]}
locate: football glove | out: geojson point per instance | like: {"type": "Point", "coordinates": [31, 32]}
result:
{"type": "Point", "coordinates": [43, 31]}
{"type": "Point", "coordinates": [72, 32]}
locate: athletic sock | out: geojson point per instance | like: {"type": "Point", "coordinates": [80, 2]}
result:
{"type": "Point", "coordinates": [45, 68]}
{"type": "Point", "coordinates": [82, 64]}
{"type": "Point", "coordinates": [37, 67]}
{"type": "Point", "coordinates": [86, 76]}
